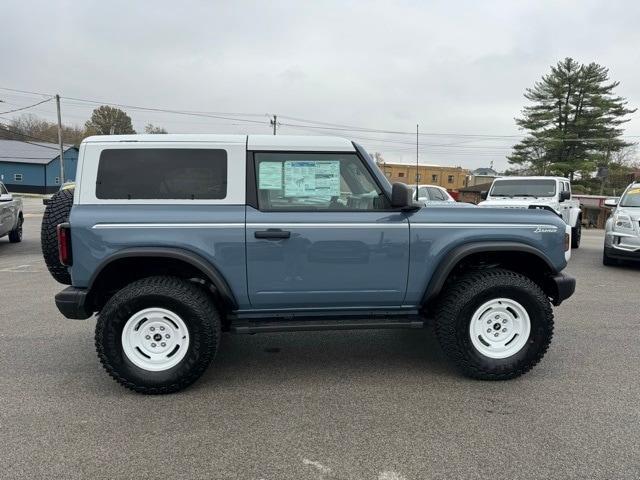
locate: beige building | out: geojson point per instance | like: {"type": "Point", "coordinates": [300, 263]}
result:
{"type": "Point", "coordinates": [451, 178]}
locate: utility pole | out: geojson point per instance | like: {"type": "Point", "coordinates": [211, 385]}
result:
{"type": "Point", "coordinates": [417, 157]}
{"type": "Point", "coordinates": [60, 140]}
{"type": "Point", "coordinates": [274, 123]}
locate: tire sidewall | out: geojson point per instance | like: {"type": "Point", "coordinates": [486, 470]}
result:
{"type": "Point", "coordinates": [538, 336]}
{"type": "Point", "coordinates": [115, 316]}
{"type": "Point", "coordinates": [576, 234]}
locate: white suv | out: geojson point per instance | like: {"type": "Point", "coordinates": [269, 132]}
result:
{"type": "Point", "coordinates": [548, 193]}
{"type": "Point", "coordinates": [622, 231]}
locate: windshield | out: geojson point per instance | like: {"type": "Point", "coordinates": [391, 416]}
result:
{"type": "Point", "coordinates": [523, 188]}
{"type": "Point", "coordinates": [631, 198]}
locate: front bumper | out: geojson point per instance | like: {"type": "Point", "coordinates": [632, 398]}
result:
{"type": "Point", "coordinates": [562, 287]}
{"type": "Point", "coordinates": [622, 254]}
{"type": "Point", "coordinates": [72, 303]}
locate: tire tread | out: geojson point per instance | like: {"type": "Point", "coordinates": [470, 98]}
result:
{"type": "Point", "coordinates": [467, 287]}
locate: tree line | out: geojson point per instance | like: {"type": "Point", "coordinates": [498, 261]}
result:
{"type": "Point", "coordinates": [104, 120]}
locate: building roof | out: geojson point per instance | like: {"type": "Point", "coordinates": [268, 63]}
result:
{"type": "Point", "coordinates": [40, 153]}
{"type": "Point", "coordinates": [485, 172]}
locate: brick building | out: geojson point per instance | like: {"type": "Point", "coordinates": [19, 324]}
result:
{"type": "Point", "coordinates": [451, 178]}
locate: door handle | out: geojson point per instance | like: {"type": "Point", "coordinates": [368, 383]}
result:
{"type": "Point", "coordinates": [272, 234]}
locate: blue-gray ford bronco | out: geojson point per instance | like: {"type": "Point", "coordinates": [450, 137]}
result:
{"type": "Point", "coordinates": [173, 239]}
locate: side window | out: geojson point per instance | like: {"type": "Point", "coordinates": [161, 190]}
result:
{"type": "Point", "coordinates": [423, 193]}
{"type": "Point", "coordinates": [567, 187]}
{"type": "Point", "coordinates": [3, 190]}
{"type": "Point", "coordinates": [162, 173]}
{"type": "Point", "coordinates": [315, 182]}
{"type": "Point", "coordinates": [436, 194]}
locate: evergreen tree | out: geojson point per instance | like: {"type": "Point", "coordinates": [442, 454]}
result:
{"type": "Point", "coordinates": [574, 122]}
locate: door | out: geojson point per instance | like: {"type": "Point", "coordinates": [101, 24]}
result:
{"type": "Point", "coordinates": [565, 207]}
{"type": "Point", "coordinates": [322, 235]}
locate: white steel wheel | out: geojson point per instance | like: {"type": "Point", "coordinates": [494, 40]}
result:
{"type": "Point", "coordinates": [500, 328]}
{"type": "Point", "coordinates": [155, 339]}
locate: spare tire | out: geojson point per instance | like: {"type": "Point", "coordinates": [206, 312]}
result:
{"type": "Point", "coordinates": [57, 212]}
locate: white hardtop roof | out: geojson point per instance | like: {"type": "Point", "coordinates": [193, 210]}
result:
{"type": "Point", "coordinates": [253, 142]}
{"type": "Point", "coordinates": [532, 178]}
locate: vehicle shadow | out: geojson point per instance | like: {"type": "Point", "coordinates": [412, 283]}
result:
{"type": "Point", "coordinates": [302, 357]}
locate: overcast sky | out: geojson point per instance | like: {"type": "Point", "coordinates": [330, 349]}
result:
{"type": "Point", "coordinates": [453, 67]}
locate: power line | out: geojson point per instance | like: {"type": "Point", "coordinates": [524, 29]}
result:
{"type": "Point", "coordinates": [316, 124]}
{"type": "Point", "coordinates": [24, 108]}
{"type": "Point", "coordinates": [26, 91]}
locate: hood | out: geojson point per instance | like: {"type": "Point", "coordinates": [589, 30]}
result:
{"type": "Point", "coordinates": [475, 215]}
{"type": "Point", "coordinates": [516, 202]}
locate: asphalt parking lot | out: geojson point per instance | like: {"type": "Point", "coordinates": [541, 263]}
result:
{"type": "Point", "coordinates": [335, 405]}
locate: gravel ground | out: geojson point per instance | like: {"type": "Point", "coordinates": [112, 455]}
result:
{"type": "Point", "coordinates": [380, 405]}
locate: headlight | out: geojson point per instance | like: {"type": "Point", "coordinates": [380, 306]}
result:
{"type": "Point", "coordinates": [622, 221]}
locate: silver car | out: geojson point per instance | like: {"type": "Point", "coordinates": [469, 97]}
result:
{"type": "Point", "coordinates": [622, 231]}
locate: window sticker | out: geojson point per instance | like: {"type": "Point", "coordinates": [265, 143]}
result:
{"type": "Point", "coordinates": [270, 175]}
{"type": "Point", "coordinates": [312, 179]}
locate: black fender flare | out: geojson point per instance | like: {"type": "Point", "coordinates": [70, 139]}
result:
{"type": "Point", "coordinates": [187, 256]}
{"type": "Point", "coordinates": [455, 255]}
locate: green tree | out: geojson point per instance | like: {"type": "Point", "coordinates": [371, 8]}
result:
{"type": "Point", "coordinates": [151, 128]}
{"type": "Point", "coordinates": [574, 122]}
{"type": "Point", "coordinates": [106, 120]}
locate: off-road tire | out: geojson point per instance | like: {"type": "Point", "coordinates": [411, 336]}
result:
{"type": "Point", "coordinates": [187, 299]}
{"type": "Point", "coordinates": [15, 235]}
{"type": "Point", "coordinates": [57, 212]}
{"type": "Point", "coordinates": [464, 295]}
{"type": "Point", "coordinates": [576, 234]}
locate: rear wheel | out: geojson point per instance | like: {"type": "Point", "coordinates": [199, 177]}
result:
{"type": "Point", "coordinates": [494, 324]}
{"type": "Point", "coordinates": [158, 335]}
{"type": "Point", "coordinates": [576, 234]}
{"type": "Point", "coordinates": [57, 212]}
{"type": "Point", "coordinates": [15, 235]}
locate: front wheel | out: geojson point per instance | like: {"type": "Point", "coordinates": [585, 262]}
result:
{"type": "Point", "coordinates": [15, 235]}
{"type": "Point", "coordinates": [158, 335]}
{"type": "Point", "coordinates": [576, 234]}
{"type": "Point", "coordinates": [494, 324]}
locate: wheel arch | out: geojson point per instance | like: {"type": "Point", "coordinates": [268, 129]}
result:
{"type": "Point", "coordinates": [165, 258]}
{"type": "Point", "coordinates": [492, 251]}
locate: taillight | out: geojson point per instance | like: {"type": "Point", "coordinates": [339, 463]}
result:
{"type": "Point", "coordinates": [64, 244]}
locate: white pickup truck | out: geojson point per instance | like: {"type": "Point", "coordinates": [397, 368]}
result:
{"type": "Point", "coordinates": [11, 216]}
{"type": "Point", "coordinates": [550, 193]}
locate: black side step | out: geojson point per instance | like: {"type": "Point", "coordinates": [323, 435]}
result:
{"type": "Point", "coordinates": [316, 325]}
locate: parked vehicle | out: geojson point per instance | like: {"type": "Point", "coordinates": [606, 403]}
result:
{"type": "Point", "coordinates": [622, 230]}
{"type": "Point", "coordinates": [431, 194]}
{"type": "Point", "coordinates": [11, 215]}
{"type": "Point", "coordinates": [550, 193]}
{"type": "Point", "coordinates": [172, 240]}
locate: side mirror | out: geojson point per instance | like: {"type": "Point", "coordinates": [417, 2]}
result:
{"type": "Point", "coordinates": [484, 195]}
{"type": "Point", "coordinates": [611, 202]}
{"type": "Point", "coordinates": [402, 197]}
{"type": "Point", "coordinates": [6, 197]}
{"type": "Point", "coordinates": [564, 195]}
